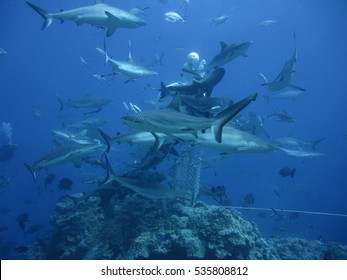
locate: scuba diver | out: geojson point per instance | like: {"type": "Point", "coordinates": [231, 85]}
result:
{"type": "Point", "coordinates": [189, 66]}
{"type": "Point", "coordinates": [7, 148]}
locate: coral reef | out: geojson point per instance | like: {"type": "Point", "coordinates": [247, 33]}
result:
{"type": "Point", "coordinates": [132, 227]}
{"type": "Point", "coordinates": [296, 248]}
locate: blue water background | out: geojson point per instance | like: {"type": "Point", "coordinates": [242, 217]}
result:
{"type": "Point", "coordinates": [42, 64]}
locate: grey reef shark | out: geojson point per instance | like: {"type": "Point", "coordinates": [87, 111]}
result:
{"type": "Point", "coordinates": [100, 15]}
{"type": "Point", "coordinates": [284, 78]}
{"type": "Point", "coordinates": [172, 121]}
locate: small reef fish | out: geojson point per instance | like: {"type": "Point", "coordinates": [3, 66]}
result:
{"type": "Point", "coordinates": [65, 184]}
{"type": "Point", "coordinates": [22, 219]}
{"type": "Point", "coordinates": [268, 22]}
{"type": "Point", "coordinates": [2, 51]}
{"type": "Point", "coordinates": [49, 179]}
{"type": "Point", "coordinates": [248, 200]}
{"type": "Point", "coordinates": [219, 20]}
{"type": "Point", "coordinates": [84, 62]}
{"type": "Point", "coordinates": [173, 17]}
{"type": "Point", "coordinates": [287, 171]}
{"type": "Point", "coordinates": [34, 228]}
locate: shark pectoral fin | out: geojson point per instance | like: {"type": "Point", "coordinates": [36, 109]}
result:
{"type": "Point", "coordinates": [129, 80]}
{"type": "Point", "coordinates": [315, 143]}
{"type": "Point", "coordinates": [297, 87]}
{"type": "Point", "coordinates": [83, 132]}
{"type": "Point", "coordinates": [111, 30]}
{"type": "Point", "coordinates": [159, 141]}
{"type": "Point", "coordinates": [112, 23]}
{"type": "Point", "coordinates": [175, 103]}
{"type": "Point", "coordinates": [55, 145]}
{"type": "Point", "coordinates": [227, 114]}
{"type": "Point", "coordinates": [208, 92]}
{"type": "Point", "coordinates": [77, 163]}
{"type": "Point", "coordinates": [79, 20]}
{"type": "Point", "coordinates": [47, 17]}
{"type": "Point", "coordinates": [30, 170]}
{"type": "Point", "coordinates": [174, 152]}
{"type": "Point", "coordinates": [61, 101]}
{"type": "Point", "coordinates": [223, 45]}
{"type": "Point", "coordinates": [217, 132]}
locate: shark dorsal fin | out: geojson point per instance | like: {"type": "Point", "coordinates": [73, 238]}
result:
{"type": "Point", "coordinates": [55, 145]}
{"type": "Point", "coordinates": [77, 163]}
{"type": "Point", "coordinates": [222, 45]}
{"type": "Point", "coordinates": [175, 103]}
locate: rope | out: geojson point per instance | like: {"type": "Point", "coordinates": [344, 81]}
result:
{"type": "Point", "coordinates": [287, 210]}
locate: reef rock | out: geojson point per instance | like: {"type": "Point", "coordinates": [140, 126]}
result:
{"type": "Point", "coordinates": [132, 227]}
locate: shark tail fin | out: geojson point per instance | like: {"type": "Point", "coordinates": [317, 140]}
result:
{"type": "Point", "coordinates": [47, 17]}
{"type": "Point", "coordinates": [61, 101]}
{"type": "Point", "coordinates": [112, 23]}
{"type": "Point", "coordinates": [226, 115]}
{"type": "Point", "coordinates": [107, 140]}
{"type": "Point", "coordinates": [31, 171]}
{"type": "Point", "coordinates": [110, 173]}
